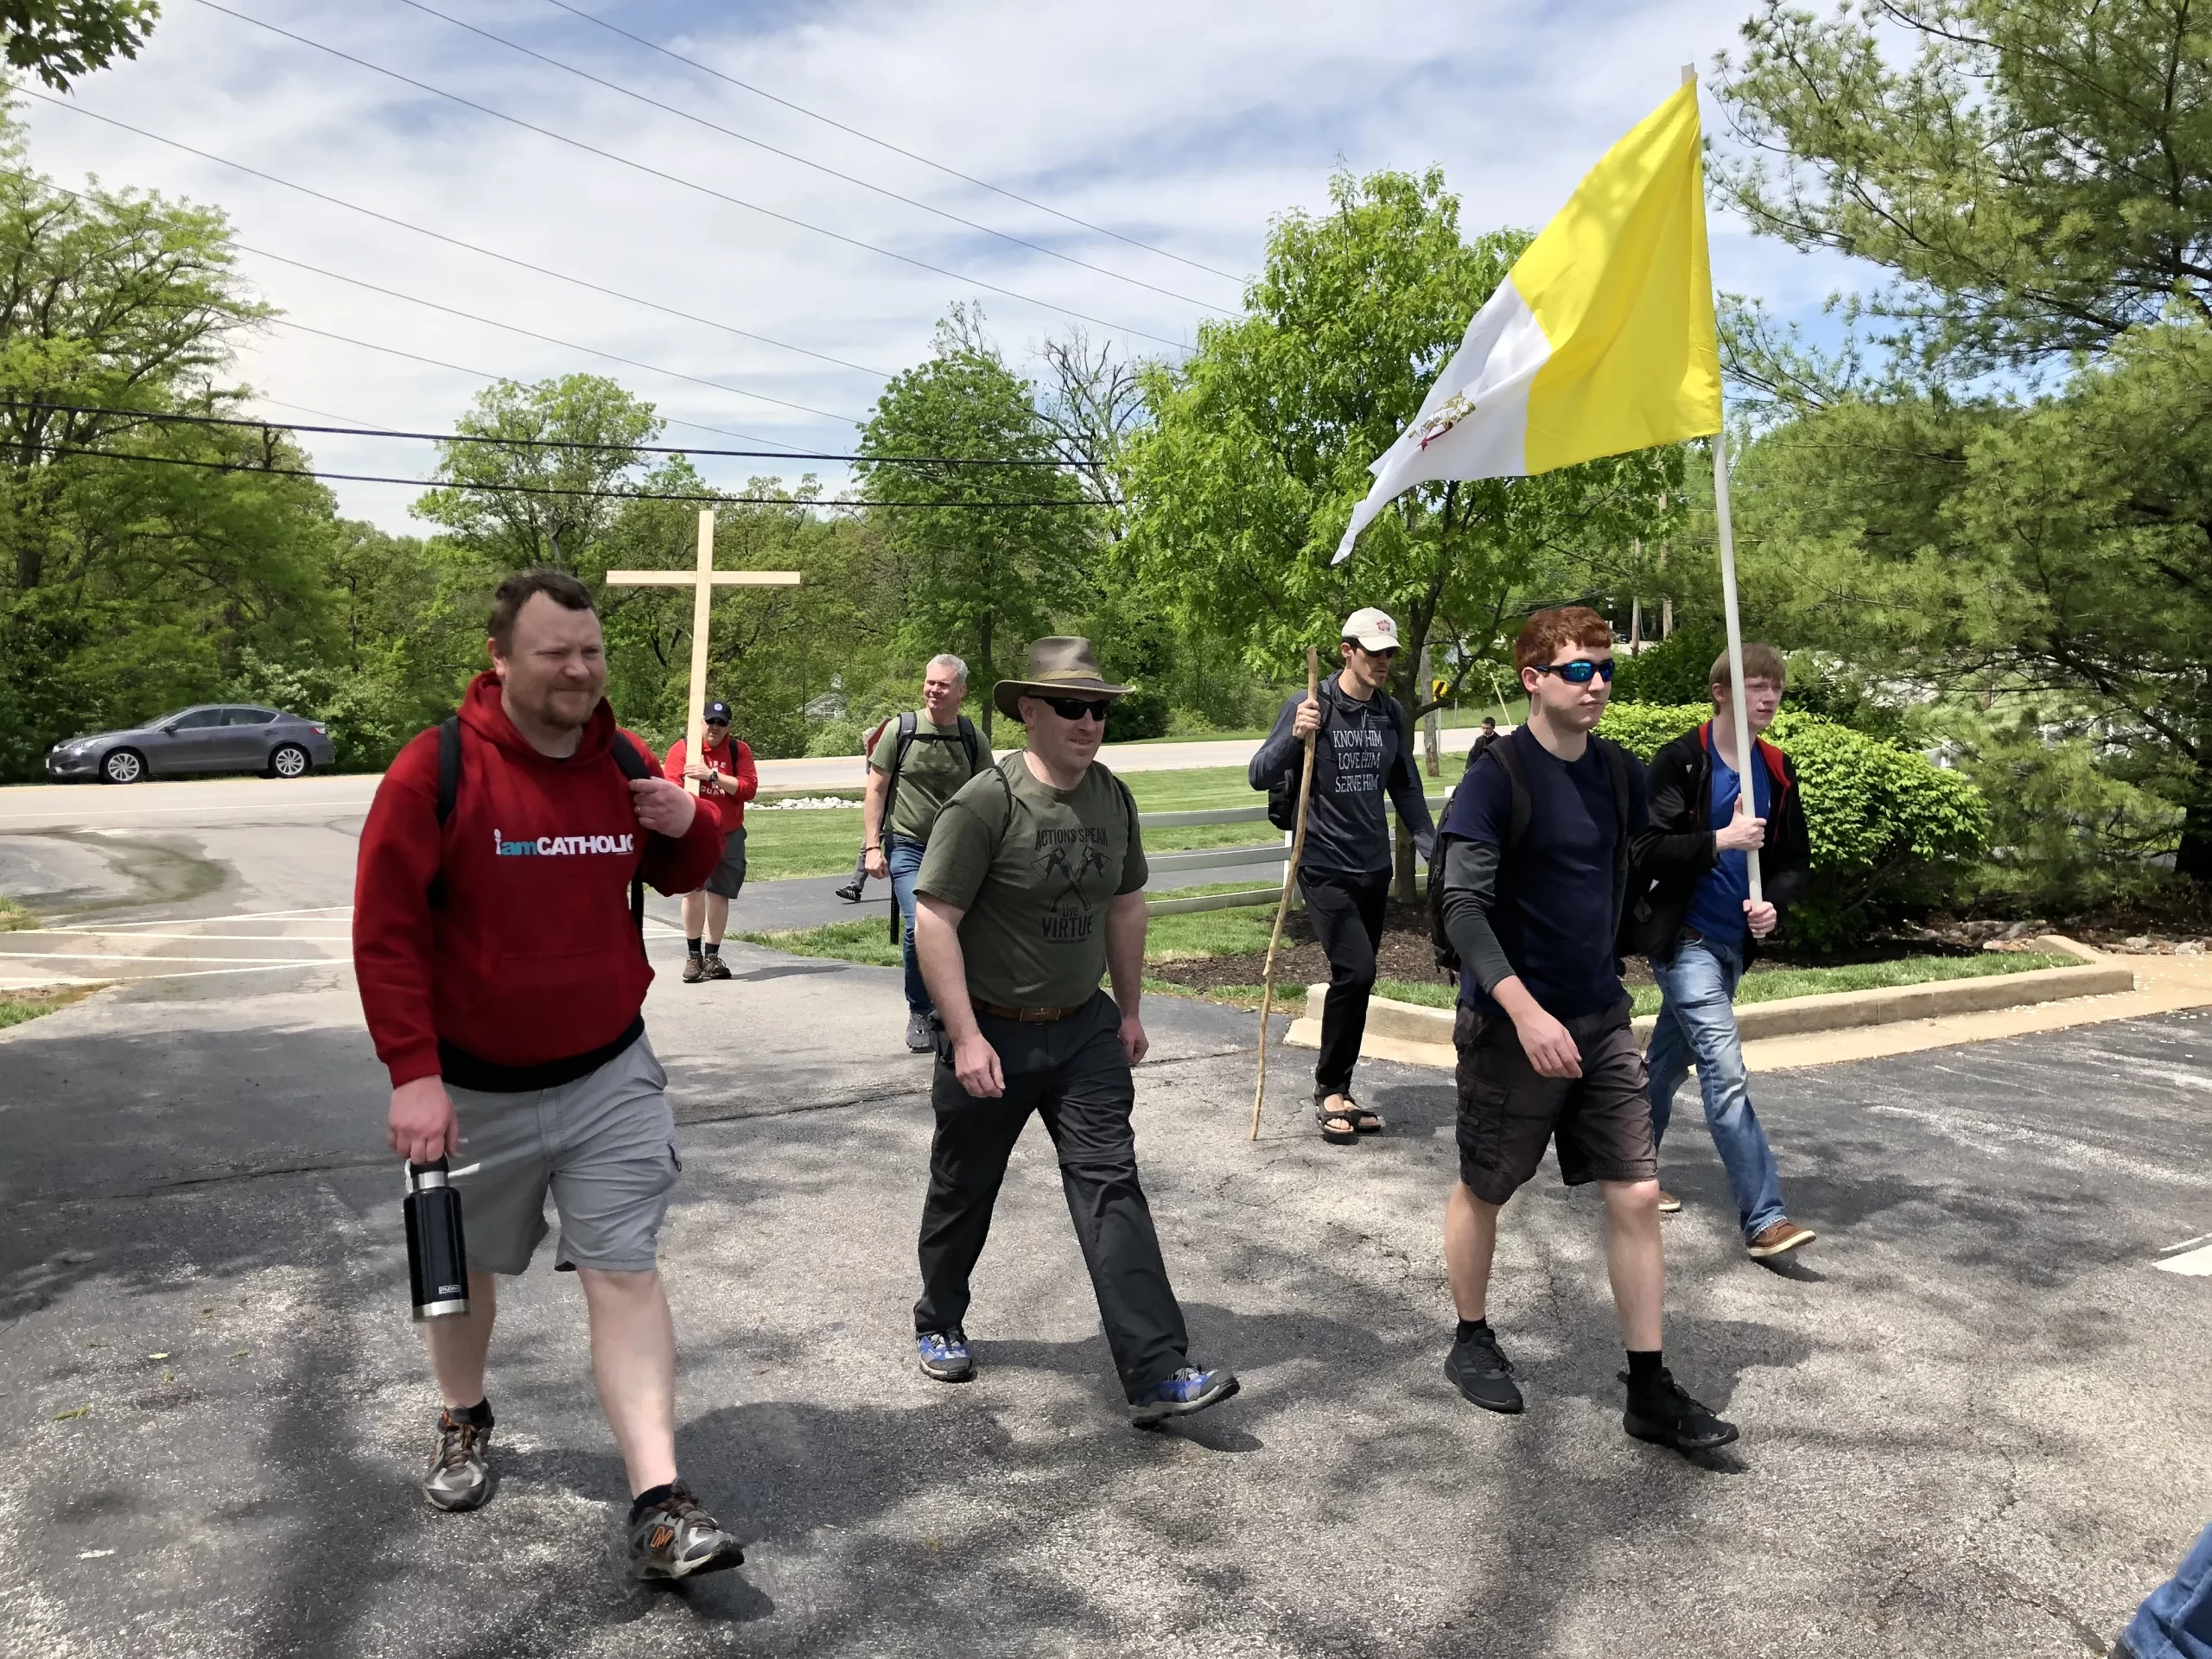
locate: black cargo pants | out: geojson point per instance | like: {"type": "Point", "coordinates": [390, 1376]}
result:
{"type": "Point", "coordinates": [1074, 1074]}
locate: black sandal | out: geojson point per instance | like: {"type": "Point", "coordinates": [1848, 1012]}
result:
{"type": "Point", "coordinates": [1348, 1116]}
{"type": "Point", "coordinates": [1365, 1122]}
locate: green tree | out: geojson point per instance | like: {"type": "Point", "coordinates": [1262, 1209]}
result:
{"type": "Point", "coordinates": [536, 476]}
{"type": "Point", "coordinates": [2035, 173]}
{"type": "Point", "coordinates": [988, 556]}
{"type": "Point", "coordinates": [59, 40]}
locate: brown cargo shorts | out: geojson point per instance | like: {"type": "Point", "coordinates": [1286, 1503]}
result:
{"type": "Point", "coordinates": [1601, 1121]}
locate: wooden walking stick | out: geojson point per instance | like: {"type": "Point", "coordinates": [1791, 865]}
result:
{"type": "Point", "coordinates": [1289, 876]}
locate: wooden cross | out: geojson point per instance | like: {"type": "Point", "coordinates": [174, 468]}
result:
{"type": "Point", "coordinates": [701, 582]}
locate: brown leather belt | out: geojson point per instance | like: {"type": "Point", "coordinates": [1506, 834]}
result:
{"type": "Point", "coordinates": [1028, 1016]}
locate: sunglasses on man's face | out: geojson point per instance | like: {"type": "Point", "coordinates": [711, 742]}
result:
{"type": "Point", "coordinates": [1578, 672]}
{"type": "Point", "coordinates": [1076, 708]}
{"type": "Point", "coordinates": [717, 725]}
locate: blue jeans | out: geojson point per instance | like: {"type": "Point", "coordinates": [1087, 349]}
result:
{"type": "Point", "coordinates": [2175, 1623]}
{"type": "Point", "coordinates": [904, 858]}
{"type": "Point", "coordinates": [1697, 1025]}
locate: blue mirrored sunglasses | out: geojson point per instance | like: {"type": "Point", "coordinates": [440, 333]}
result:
{"type": "Point", "coordinates": [1578, 672]}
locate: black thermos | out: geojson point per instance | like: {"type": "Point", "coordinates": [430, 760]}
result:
{"type": "Point", "coordinates": [437, 1260]}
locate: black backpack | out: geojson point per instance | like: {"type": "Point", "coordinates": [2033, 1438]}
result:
{"type": "Point", "coordinates": [909, 734]}
{"type": "Point", "coordinates": [1502, 755]}
{"type": "Point", "coordinates": [631, 764]}
{"type": "Point", "coordinates": [1282, 794]}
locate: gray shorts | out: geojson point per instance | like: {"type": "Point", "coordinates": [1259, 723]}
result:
{"type": "Point", "coordinates": [604, 1146]}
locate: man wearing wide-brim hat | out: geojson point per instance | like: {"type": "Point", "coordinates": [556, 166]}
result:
{"type": "Point", "coordinates": [1032, 890]}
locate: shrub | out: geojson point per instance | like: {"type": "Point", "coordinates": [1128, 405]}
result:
{"type": "Point", "coordinates": [836, 737]}
{"type": "Point", "coordinates": [1143, 713]}
{"type": "Point", "coordinates": [1672, 671]}
{"type": "Point", "coordinates": [1891, 831]}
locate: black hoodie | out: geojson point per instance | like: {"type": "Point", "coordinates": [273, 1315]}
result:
{"type": "Point", "coordinates": [1680, 847]}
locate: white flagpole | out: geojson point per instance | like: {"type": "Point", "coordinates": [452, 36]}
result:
{"type": "Point", "coordinates": [1745, 788]}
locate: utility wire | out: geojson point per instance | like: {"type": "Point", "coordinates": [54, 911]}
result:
{"type": "Point", "coordinates": [688, 184]}
{"type": "Point", "coordinates": [480, 374]}
{"type": "Point", "coordinates": [547, 489]}
{"type": "Point", "coordinates": [549, 340]}
{"type": "Point", "coordinates": [178, 419]}
{"type": "Point", "coordinates": [882, 144]}
{"type": "Point", "coordinates": [744, 138]}
{"type": "Point", "coordinates": [450, 241]}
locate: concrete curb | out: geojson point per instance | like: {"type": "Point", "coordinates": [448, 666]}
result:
{"type": "Point", "coordinates": [1422, 1036]}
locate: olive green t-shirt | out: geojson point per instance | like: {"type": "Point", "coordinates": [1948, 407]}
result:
{"type": "Point", "coordinates": [935, 767]}
{"type": "Point", "coordinates": [1033, 869]}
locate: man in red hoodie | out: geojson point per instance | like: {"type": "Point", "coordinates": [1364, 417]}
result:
{"type": "Point", "coordinates": [503, 977]}
{"type": "Point", "coordinates": [727, 780]}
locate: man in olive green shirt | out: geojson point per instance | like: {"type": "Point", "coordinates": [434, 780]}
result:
{"type": "Point", "coordinates": [1031, 891]}
{"type": "Point", "coordinates": [918, 765]}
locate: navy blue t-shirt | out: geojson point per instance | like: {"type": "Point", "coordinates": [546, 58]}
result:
{"type": "Point", "coordinates": [1717, 901]}
{"type": "Point", "coordinates": [1553, 912]}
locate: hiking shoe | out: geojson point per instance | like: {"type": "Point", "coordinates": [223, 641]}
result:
{"type": "Point", "coordinates": [1663, 1414]}
{"type": "Point", "coordinates": [1480, 1370]}
{"type": "Point", "coordinates": [920, 1036]}
{"type": "Point", "coordinates": [676, 1538]}
{"type": "Point", "coordinates": [944, 1355]}
{"type": "Point", "coordinates": [851, 893]}
{"type": "Point", "coordinates": [716, 968]}
{"type": "Point", "coordinates": [1779, 1236]}
{"type": "Point", "coordinates": [695, 969]}
{"type": "Point", "coordinates": [459, 1477]}
{"type": "Point", "coordinates": [1193, 1388]}
{"type": "Point", "coordinates": [1669, 1203]}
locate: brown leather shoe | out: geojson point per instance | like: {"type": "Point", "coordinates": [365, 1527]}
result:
{"type": "Point", "coordinates": [1779, 1236]}
{"type": "Point", "coordinates": [1669, 1203]}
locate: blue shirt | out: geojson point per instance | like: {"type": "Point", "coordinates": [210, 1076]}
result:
{"type": "Point", "coordinates": [1717, 903]}
{"type": "Point", "coordinates": [1553, 910]}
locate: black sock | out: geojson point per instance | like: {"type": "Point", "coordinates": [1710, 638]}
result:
{"type": "Point", "coordinates": [692, 945]}
{"type": "Point", "coordinates": [715, 949]}
{"type": "Point", "coordinates": [1470, 1329]}
{"type": "Point", "coordinates": [649, 1497]}
{"type": "Point", "coordinates": [479, 1414]}
{"type": "Point", "coordinates": [1643, 1369]}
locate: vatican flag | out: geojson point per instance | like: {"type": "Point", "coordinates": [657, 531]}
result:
{"type": "Point", "coordinates": [1599, 340]}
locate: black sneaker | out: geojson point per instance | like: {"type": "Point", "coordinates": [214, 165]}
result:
{"type": "Point", "coordinates": [1479, 1369]}
{"type": "Point", "coordinates": [676, 1538]}
{"type": "Point", "coordinates": [716, 968]}
{"type": "Point", "coordinates": [1663, 1414]}
{"type": "Point", "coordinates": [851, 893]}
{"type": "Point", "coordinates": [459, 1477]}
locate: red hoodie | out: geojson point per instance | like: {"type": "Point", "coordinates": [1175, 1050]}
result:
{"type": "Point", "coordinates": [533, 958]}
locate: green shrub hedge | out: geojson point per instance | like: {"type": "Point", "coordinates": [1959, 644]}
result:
{"type": "Point", "coordinates": [1890, 830]}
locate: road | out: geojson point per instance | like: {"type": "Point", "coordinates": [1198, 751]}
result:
{"type": "Point", "coordinates": [1974, 1415]}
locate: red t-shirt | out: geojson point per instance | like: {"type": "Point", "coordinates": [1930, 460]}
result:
{"type": "Point", "coordinates": [732, 759]}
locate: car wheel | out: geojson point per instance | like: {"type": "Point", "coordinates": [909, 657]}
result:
{"type": "Point", "coordinates": [289, 760]}
{"type": "Point", "coordinates": [123, 766]}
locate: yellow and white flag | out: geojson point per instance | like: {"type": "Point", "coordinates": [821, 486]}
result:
{"type": "Point", "coordinates": [1599, 340]}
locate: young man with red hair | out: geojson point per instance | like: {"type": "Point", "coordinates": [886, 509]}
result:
{"type": "Point", "coordinates": [1536, 850]}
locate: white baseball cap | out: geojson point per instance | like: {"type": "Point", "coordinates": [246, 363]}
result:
{"type": "Point", "coordinates": [1371, 628]}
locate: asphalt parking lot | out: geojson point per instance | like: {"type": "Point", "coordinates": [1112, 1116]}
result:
{"type": "Point", "coordinates": [1974, 1415]}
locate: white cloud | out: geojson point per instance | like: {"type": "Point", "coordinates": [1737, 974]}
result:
{"type": "Point", "coordinates": [1184, 125]}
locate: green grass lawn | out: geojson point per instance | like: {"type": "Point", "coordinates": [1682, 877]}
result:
{"type": "Point", "coordinates": [15, 1006]}
{"type": "Point", "coordinates": [13, 916]}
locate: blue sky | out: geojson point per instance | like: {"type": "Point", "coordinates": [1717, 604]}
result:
{"type": "Point", "coordinates": [1182, 126]}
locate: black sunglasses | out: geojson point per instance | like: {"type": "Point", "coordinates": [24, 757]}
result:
{"type": "Point", "coordinates": [1076, 708]}
{"type": "Point", "coordinates": [721, 725]}
{"type": "Point", "coordinates": [1578, 672]}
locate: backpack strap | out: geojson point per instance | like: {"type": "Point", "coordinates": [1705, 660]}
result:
{"type": "Point", "coordinates": [448, 791]}
{"type": "Point", "coordinates": [634, 766]}
{"type": "Point", "coordinates": [909, 723]}
{"type": "Point", "coordinates": [971, 740]}
{"type": "Point", "coordinates": [1502, 753]}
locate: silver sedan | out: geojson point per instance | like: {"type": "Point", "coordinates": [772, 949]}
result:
{"type": "Point", "coordinates": [214, 737]}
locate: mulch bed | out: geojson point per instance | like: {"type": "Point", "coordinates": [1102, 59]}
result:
{"type": "Point", "coordinates": [1406, 953]}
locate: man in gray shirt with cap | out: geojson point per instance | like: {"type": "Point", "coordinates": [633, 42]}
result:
{"type": "Point", "coordinates": [1364, 750]}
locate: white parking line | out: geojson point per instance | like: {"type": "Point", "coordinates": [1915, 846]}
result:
{"type": "Point", "coordinates": [2195, 1264]}
{"type": "Point", "coordinates": [242, 938]}
{"type": "Point", "coordinates": [134, 979]}
{"type": "Point", "coordinates": [227, 810]}
{"type": "Point", "coordinates": [99, 956]}
{"type": "Point", "coordinates": [240, 915]}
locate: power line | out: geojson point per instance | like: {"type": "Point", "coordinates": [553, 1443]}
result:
{"type": "Point", "coordinates": [743, 138]}
{"type": "Point", "coordinates": [549, 340]}
{"type": "Point", "coordinates": [538, 489]}
{"type": "Point", "coordinates": [452, 241]}
{"type": "Point", "coordinates": [684, 183]}
{"type": "Point", "coordinates": [882, 143]}
{"type": "Point", "coordinates": [416, 357]}
{"type": "Point", "coordinates": [178, 419]}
